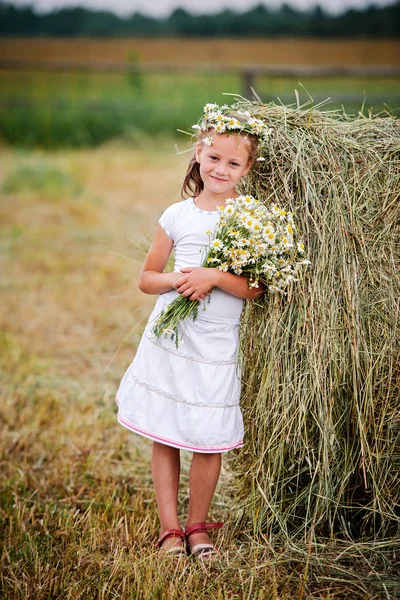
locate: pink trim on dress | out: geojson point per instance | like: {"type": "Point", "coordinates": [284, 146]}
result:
{"type": "Point", "coordinates": [168, 442]}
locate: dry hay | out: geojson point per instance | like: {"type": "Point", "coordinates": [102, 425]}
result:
{"type": "Point", "coordinates": [321, 366]}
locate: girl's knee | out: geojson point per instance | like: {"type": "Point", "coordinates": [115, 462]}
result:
{"type": "Point", "coordinates": [213, 457]}
{"type": "Point", "coordinates": [163, 449]}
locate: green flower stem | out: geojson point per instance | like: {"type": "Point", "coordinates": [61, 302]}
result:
{"type": "Point", "coordinates": [179, 310]}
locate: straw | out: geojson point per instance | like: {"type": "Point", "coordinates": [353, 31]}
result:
{"type": "Point", "coordinates": [320, 367]}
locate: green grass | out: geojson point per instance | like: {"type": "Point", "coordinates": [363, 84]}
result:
{"type": "Point", "coordinates": [80, 109]}
{"type": "Point", "coordinates": [40, 178]}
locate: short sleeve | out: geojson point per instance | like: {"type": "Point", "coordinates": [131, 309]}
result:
{"type": "Point", "coordinates": [167, 221]}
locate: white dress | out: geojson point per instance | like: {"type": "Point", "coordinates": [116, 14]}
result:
{"type": "Point", "coordinates": [188, 397]}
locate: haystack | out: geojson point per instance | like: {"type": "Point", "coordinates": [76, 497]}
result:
{"type": "Point", "coordinates": [321, 365]}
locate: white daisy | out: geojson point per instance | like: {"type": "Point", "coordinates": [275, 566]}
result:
{"type": "Point", "coordinates": [267, 230]}
{"type": "Point", "coordinates": [223, 267]}
{"type": "Point", "coordinates": [220, 127]}
{"type": "Point", "coordinates": [249, 223]}
{"type": "Point", "coordinates": [270, 238]}
{"type": "Point", "coordinates": [232, 123]}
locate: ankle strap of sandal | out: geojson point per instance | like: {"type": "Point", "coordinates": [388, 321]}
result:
{"type": "Point", "coordinates": [170, 533]}
{"type": "Point", "coordinates": [202, 528]}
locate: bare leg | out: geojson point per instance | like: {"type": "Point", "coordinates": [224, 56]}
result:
{"type": "Point", "coordinates": [166, 470]}
{"type": "Point", "coordinates": [203, 478]}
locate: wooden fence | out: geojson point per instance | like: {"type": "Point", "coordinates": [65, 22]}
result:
{"type": "Point", "coordinates": [248, 74]}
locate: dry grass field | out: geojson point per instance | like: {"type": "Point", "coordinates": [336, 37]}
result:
{"type": "Point", "coordinates": [78, 518]}
{"type": "Point", "coordinates": [205, 51]}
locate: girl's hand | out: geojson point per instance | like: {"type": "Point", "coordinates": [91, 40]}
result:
{"type": "Point", "coordinates": [196, 282]}
{"type": "Point", "coordinates": [174, 278]}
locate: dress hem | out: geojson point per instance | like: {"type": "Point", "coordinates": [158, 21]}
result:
{"type": "Point", "coordinates": [167, 442]}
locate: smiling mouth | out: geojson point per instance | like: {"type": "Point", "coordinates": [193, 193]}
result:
{"type": "Point", "coordinates": [218, 178]}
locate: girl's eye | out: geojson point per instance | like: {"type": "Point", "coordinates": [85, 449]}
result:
{"type": "Point", "coordinates": [214, 158]}
{"type": "Point", "coordinates": [235, 164]}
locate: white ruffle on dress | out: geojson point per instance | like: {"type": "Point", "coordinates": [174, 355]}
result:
{"type": "Point", "coordinates": [188, 397]}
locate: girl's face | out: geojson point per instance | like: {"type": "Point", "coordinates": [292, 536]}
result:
{"type": "Point", "coordinates": [223, 163]}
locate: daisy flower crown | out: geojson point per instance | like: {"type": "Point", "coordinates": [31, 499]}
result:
{"type": "Point", "coordinates": [225, 119]}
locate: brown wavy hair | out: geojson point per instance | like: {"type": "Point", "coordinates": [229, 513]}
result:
{"type": "Point", "coordinates": [193, 183]}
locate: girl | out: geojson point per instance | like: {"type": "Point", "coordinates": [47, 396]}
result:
{"type": "Point", "coordinates": [188, 397]}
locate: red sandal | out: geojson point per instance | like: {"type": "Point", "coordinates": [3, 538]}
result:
{"type": "Point", "coordinates": [201, 551]}
{"type": "Point", "coordinates": [178, 533]}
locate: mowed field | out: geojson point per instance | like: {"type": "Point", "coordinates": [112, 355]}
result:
{"type": "Point", "coordinates": [77, 516]}
{"type": "Point", "coordinates": [208, 51]}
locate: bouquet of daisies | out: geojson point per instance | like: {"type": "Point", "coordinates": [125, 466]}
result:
{"type": "Point", "coordinates": [251, 239]}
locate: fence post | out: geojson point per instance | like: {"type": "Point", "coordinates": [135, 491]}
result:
{"type": "Point", "coordinates": [248, 81]}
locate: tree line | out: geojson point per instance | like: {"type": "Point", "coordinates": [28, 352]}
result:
{"type": "Point", "coordinates": [371, 22]}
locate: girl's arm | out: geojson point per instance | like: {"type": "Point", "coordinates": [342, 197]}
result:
{"type": "Point", "coordinates": [200, 280]}
{"type": "Point", "coordinates": [152, 280]}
